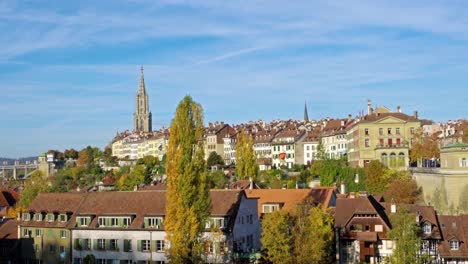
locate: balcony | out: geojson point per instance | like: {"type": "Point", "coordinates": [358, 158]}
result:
{"type": "Point", "coordinates": [392, 146]}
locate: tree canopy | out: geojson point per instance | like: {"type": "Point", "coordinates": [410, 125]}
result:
{"type": "Point", "coordinates": [276, 239]}
{"type": "Point", "coordinates": [214, 159]}
{"type": "Point", "coordinates": [246, 161]}
{"type": "Point", "coordinates": [188, 202]}
{"type": "Point", "coordinates": [405, 234]}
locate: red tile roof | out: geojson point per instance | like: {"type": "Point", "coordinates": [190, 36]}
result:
{"type": "Point", "coordinates": [454, 228]}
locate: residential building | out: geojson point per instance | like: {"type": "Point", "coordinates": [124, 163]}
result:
{"type": "Point", "coordinates": [214, 138]}
{"type": "Point", "coordinates": [270, 200]}
{"type": "Point", "coordinates": [142, 116]}
{"type": "Point", "coordinates": [287, 148]}
{"type": "Point", "coordinates": [43, 228]}
{"type": "Point", "coordinates": [230, 140]}
{"type": "Point", "coordinates": [334, 138]}
{"type": "Point", "coordinates": [66, 227]}
{"type": "Point", "coordinates": [310, 147]}
{"type": "Point", "coordinates": [362, 224]}
{"type": "Point", "coordinates": [382, 135]}
{"type": "Point", "coordinates": [133, 146]}
{"type": "Point", "coordinates": [454, 248]}
{"type": "Point", "coordinates": [10, 250]}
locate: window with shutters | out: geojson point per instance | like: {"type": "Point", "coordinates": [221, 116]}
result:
{"type": "Point", "coordinates": [153, 222]}
{"type": "Point", "coordinates": [127, 245]}
{"type": "Point", "coordinates": [145, 245]}
{"type": "Point", "coordinates": [113, 244]}
{"type": "Point", "coordinates": [160, 245]}
{"type": "Point", "coordinates": [101, 244]}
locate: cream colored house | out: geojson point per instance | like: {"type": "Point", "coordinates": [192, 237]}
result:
{"type": "Point", "coordinates": [382, 135]}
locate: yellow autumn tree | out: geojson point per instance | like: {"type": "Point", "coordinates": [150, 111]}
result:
{"type": "Point", "coordinates": [246, 162]}
{"type": "Point", "coordinates": [188, 202]}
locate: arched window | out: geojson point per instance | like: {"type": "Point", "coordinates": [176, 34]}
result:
{"type": "Point", "coordinates": [401, 159]}
{"type": "Point", "coordinates": [384, 159]}
{"type": "Point", "coordinates": [392, 159]}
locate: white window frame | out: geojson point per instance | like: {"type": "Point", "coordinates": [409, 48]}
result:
{"type": "Point", "coordinates": [63, 234]}
{"type": "Point", "coordinates": [270, 208]}
{"type": "Point", "coordinates": [26, 216]}
{"type": "Point", "coordinates": [454, 244]}
{"type": "Point", "coordinates": [427, 228]}
{"type": "Point", "coordinates": [38, 217]}
{"type": "Point", "coordinates": [145, 245]}
{"type": "Point", "coordinates": [50, 217]}
{"type": "Point", "coordinates": [160, 245]}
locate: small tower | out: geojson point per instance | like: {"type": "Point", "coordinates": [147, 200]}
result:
{"type": "Point", "coordinates": [306, 115]}
{"type": "Point", "coordinates": [142, 116]}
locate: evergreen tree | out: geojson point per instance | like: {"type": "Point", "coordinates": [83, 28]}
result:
{"type": "Point", "coordinates": [276, 237]}
{"type": "Point", "coordinates": [188, 202]}
{"type": "Point", "coordinates": [246, 161]}
{"type": "Point", "coordinates": [405, 234]}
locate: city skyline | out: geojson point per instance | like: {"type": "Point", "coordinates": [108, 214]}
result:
{"type": "Point", "coordinates": [69, 73]}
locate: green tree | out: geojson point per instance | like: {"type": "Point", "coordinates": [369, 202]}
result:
{"type": "Point", "coordinates": [246, 161]}
{"type": "Point", "coordinates": [405, 234]}
{"type": "Point", "coordinates": [132, 179]}
{"type": "Point", "coordinates": [276, 238]}
{"type": "Point", "coordinates": [150, 165]}
{"type": "Point", "coordinates": [214, 159]}
{"type": "Point", "coordinates": [36, 184]}
{"type": "Point", "coordinates": [313, 235]}
{"type": "Point", "coordinates": [188, 201]}
{"type": "Point", "coordinates": [376, 180]}
{"type": "Point", "coordinates": [70, 154]}
{"type": "Point", "coordinates": [218, 179]}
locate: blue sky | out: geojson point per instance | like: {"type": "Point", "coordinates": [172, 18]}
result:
{"type": "Point", "coordinates": [69, 70]}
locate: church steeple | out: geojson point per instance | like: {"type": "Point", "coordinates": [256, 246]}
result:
{"type": "Point", "coordinates": [142, 116]}
{"type": "Point", "coordinates": [306, 115]}
{"type": "Point", "coordinates": [142, 88]}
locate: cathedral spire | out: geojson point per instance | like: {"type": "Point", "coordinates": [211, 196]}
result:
{"type": "Point", "coordinates": [306, 115]}
{"type": "Point", "coordinates": [142, 88]}
{"type": "Point", "coordinates": [142, 116]}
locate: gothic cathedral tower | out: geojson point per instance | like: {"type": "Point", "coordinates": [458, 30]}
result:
{"type": "Point", "coordinates": [142, 116]}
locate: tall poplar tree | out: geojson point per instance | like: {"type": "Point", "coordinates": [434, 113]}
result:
{"type": "Point", "coordinates": [405, 234]}
{"type": "Point", "coordinates": [246, 161]}
{"type": "Point", "coordinates": [188, 202]}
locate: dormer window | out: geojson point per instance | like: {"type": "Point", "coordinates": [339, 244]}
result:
{"type": "Point", "coordinates": [215, 222]}
{"type": "Point", "coordinates": [454, 244]}
{"type": "Point", "coordinates": [153, 222]}
{"type": "Point", "coordinates": [26, 216]}
{"type": "Point", "coordinates": [50, 217]}
{"type": "Point", "coordinates": [62, 217]}
{"type": "Point", "coordinates": [270, 208]}
{"type": "Point", "coordinates": [83, 221]}
{"type": "Point", "coordinates": [38, 217]}
{"type": "Point", "coordinates": [427, 228]}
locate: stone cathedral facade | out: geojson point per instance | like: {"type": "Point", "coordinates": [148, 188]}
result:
{"type": "Point", "coordinates": [142, 116]}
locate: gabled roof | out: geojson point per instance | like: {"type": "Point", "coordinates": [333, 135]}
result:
{"type": "Point", "coordinates": [56, 202]}
{"type": "Point", "coordinates": [346, 209]}
{"type": "Point", "coordinates": [290, 198]}
{"type": "Point", "coordinates": [379, 116]}
{"type": "Point", "coordinates": [8, 197]}
{"type": "Point", "coordinates": [454, 228]}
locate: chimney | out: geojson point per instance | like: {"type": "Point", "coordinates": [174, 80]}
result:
{"type": "Point", "coordinates": [352, 195]}
{"type": "Point", "coordinates": [135, 188]}
{"type": "Point", "coordinates": [369, 107]}
{"type": "Point", "coordinates": [349, 117]}
{"type": "Point", "coordinates": [343, 187]}
{"type": "Point", "coordinates": [251, 183]}
{"type": "Point", "coordinates": [398, 109]}
{"type": "Point", "coordinates": [342, 123]}
{"type": "Point", "coordinates": [356, 178]}
{"type": "Point", "coordinates": [415, 114]}
{"type": "Point", "coordinates": [393, 207]}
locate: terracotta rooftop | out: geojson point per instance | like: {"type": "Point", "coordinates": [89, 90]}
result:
{"type": "Point", "coordinates": [454, 228]}
{"type": "Point", "coordinates": [8, 197]}
{"type": "Point", "coordinates": [290, 198]}
{"type": "Point", "coordinates": [9, 229]}
{"type": "Point", "coordinates": [378, 116]}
